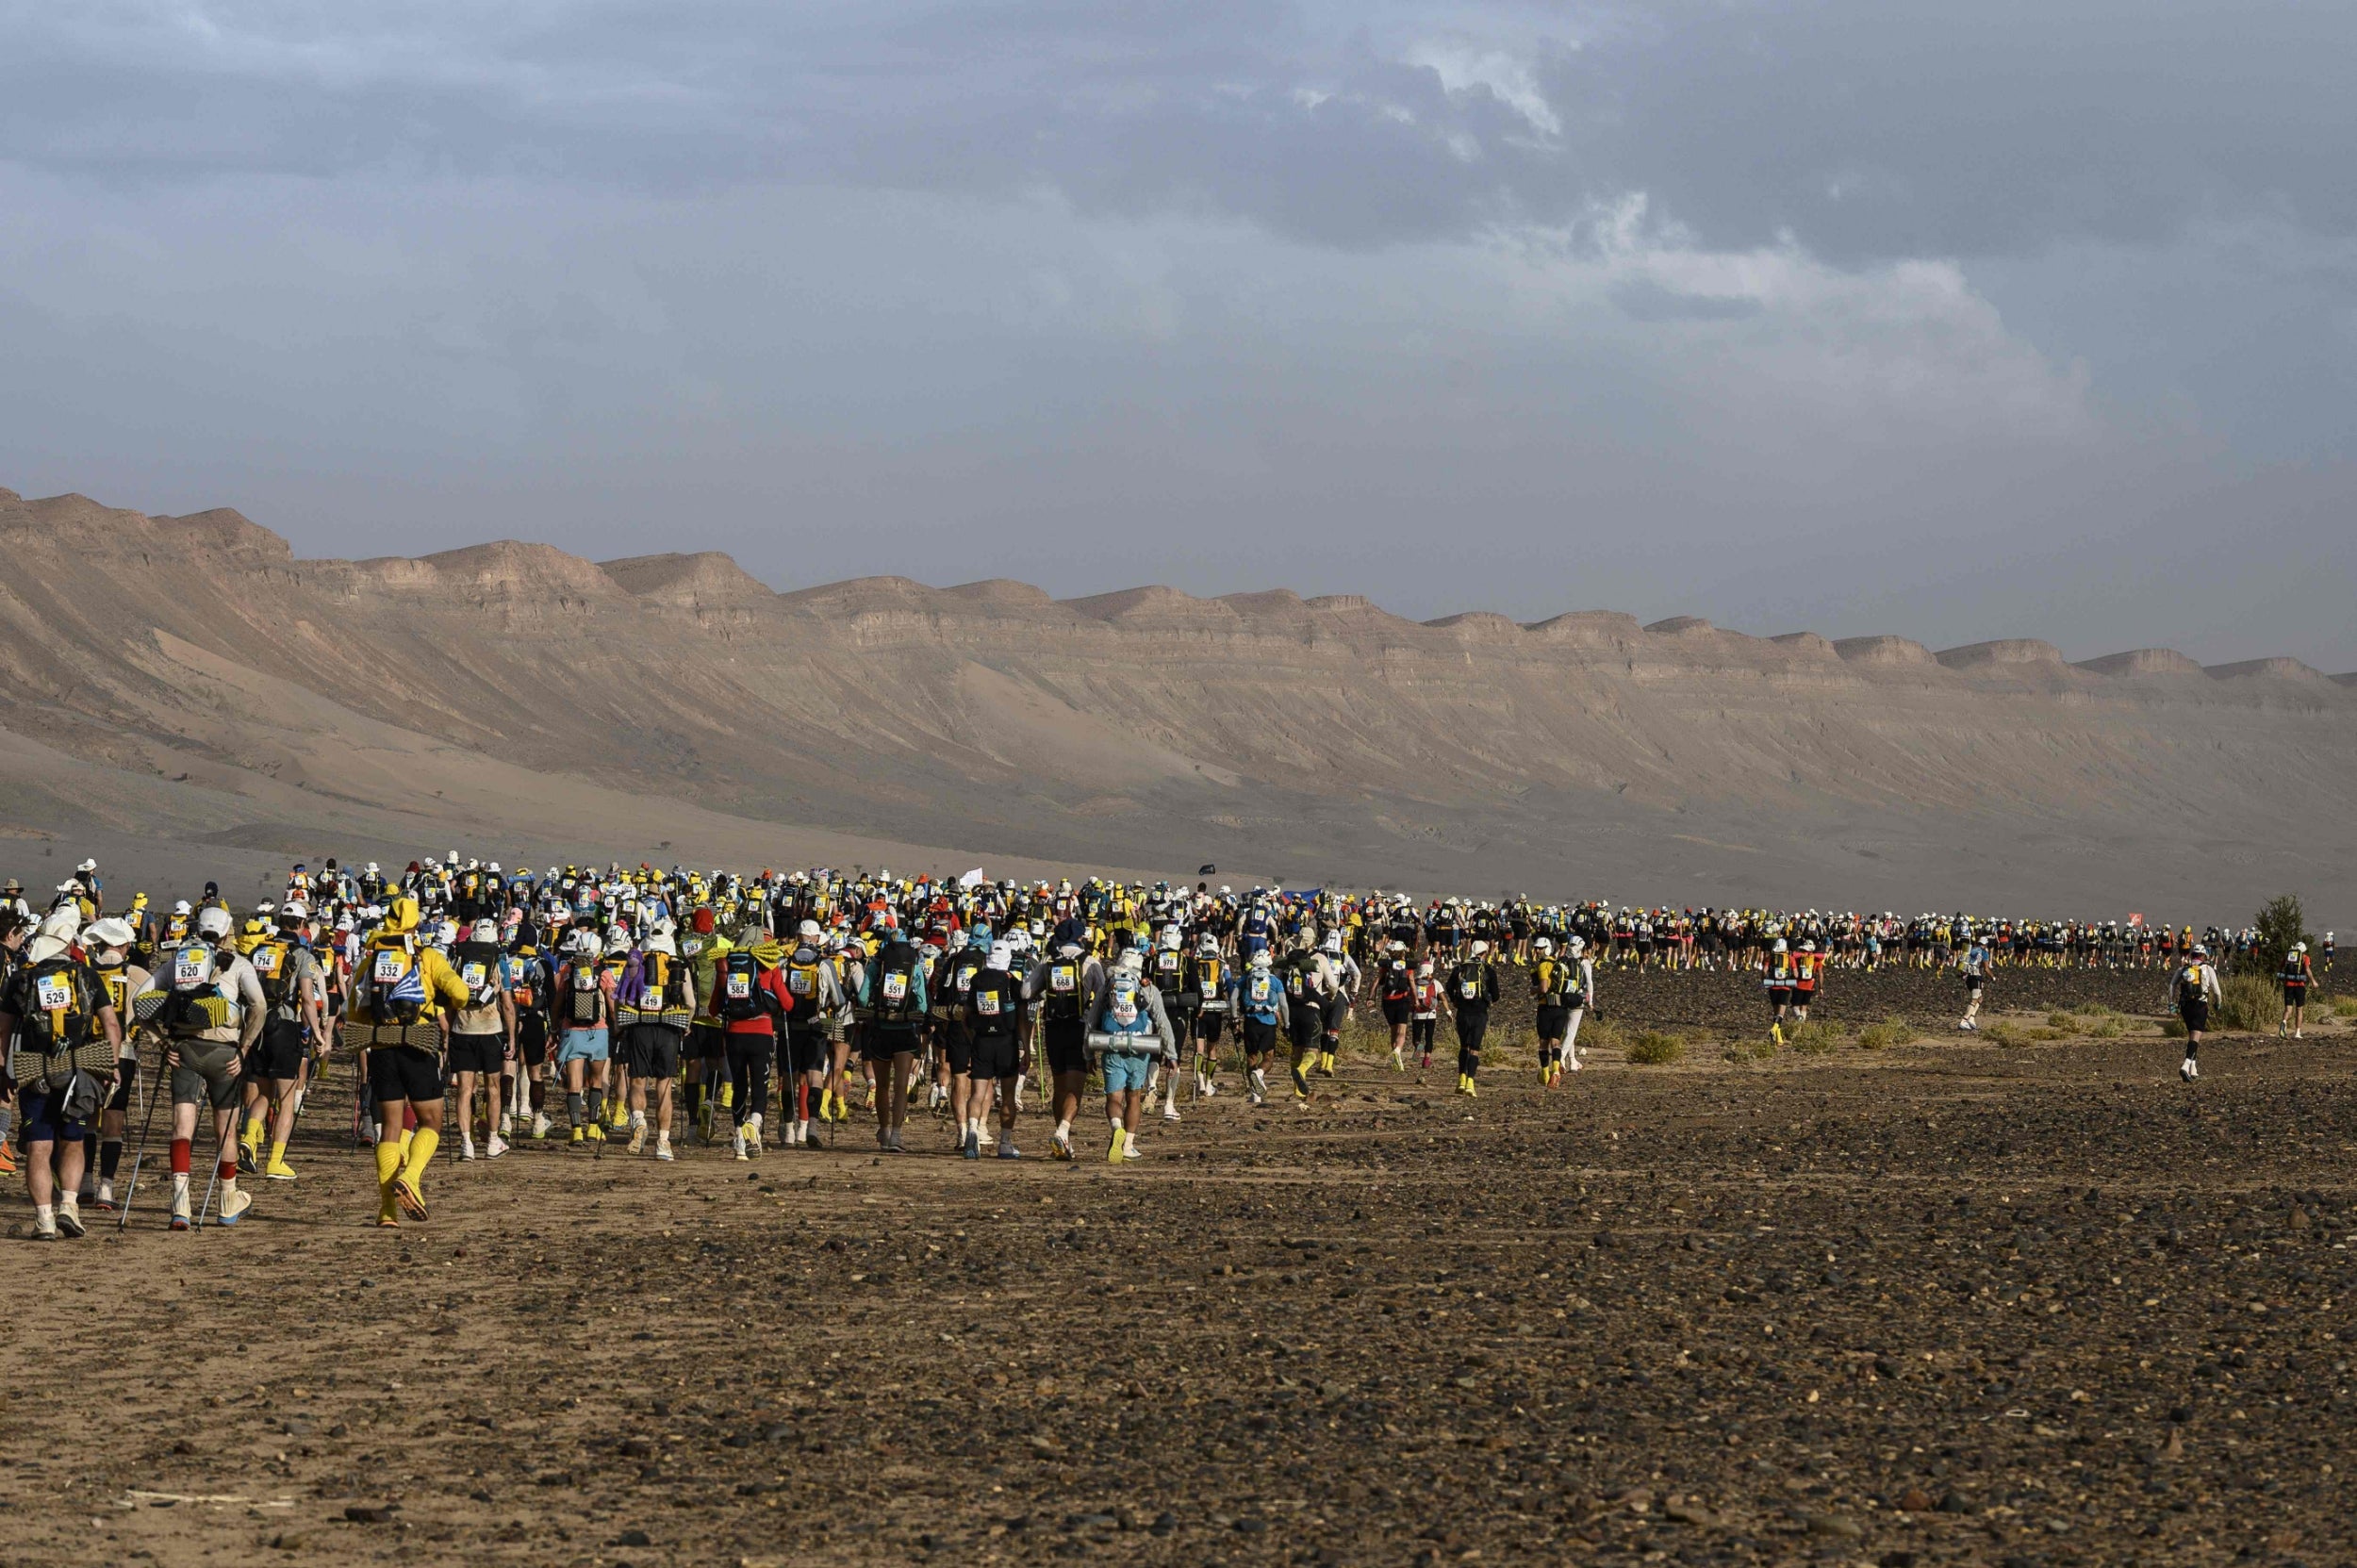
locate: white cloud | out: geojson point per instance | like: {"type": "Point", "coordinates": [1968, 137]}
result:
{"type": "Point", "coordinates": [1506, 78]}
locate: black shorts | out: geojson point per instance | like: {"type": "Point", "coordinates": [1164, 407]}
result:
{"type": "Point", "coordinates": [994, 1056]}
{"type": "Point", "coordinates": [1972, 983]}
{"type": "Point", "coordinates": [1065, 1041]}
{"type": "Point", "coordinates": [1554, 1022]}
{"type": "Point", "coordinates": [404, 1072]}
{"type": "Point", "coordinates": [878, 1043]}
{"type": "Point", "coordinates": [951, 1037]}
{"type": "Point", "coordinates": [477, 1053]}
{"type": "Point", "coordinates": [278, 1053]}
{"type": "Point", "coordinates": [2196, 1014]}
{"type": "Point", "coordinates": [126, 1071]}
{"type": "Point", "coordinates": [1398, 1011]}
{"type": "Point", "coordinates": [707, 1043]}
{"type": "Point", "coordinates": [1306, 1023]}
{"type": "Point", "coordinates": [1337, 1009]}
{"type": "Point", "coordinates": [651, 1050]}
{"type": "Point", "coordinates": [2295, 995]}
{"type": "Point", "coordinates": [532, 1038]}
{"type": "Point", "coordinates": [1779, 996]}
{"type": "Point", "coordinates": [1210, 1026]}
{"type": "Point", "coordinates": [806, 1048]}
{"type": "Point", "coordinates": [1260, 1038]}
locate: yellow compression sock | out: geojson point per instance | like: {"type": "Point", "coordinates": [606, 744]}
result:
{"type": "Point", "coordinates": [421, 1147]}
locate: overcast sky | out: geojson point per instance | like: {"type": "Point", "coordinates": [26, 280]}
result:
{"type": "Point", "coordinates": [1957, 321]}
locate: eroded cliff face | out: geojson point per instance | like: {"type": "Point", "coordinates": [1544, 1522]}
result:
{"type": "Point", "coordinates": [1321, 737]}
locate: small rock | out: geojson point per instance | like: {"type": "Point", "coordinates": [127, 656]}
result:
{"type": "Point", "coordinates": [1831, 1524]}
{"type": "Point", "coordinates": [362, 1515]}
{"type": "Point", "coordinates": [633, 1538]}
{"type": "Point", "coordinates": [1915, 1500]}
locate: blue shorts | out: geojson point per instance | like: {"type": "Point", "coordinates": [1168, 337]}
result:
{"type": "Point", "coordinates": [582, 1044]}
{"type": "Point", "coordinates": [38, 1121]}
{"type": "Point", "coordinates": [1126, 1069]}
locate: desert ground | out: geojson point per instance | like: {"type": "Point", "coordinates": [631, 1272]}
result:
{"type": "Point", "coordinates": [1952, 1300]}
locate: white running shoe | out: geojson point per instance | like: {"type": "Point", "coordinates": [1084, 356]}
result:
{"type": "Point", "coordinates": [736, 1144]}
{"type": "Point", "coordinates": [1007, 1151]}
{"type": "Point", "coordinates": [2189, 1069]}
{"type": "Point", "coordinates": [662, 1146]}
{"type": "Point", "coordinates": [540, 1124]}
{"type": "Point", "coordinates": [1130, 1150]}
{"type": "Point", "coordinates": [466, 1147]}
{"type": "Point", "coordinates": [70, 1215]}
{"type": "Point", "coordinates": [1170, 1111]}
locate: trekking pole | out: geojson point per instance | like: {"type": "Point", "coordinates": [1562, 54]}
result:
{"type": "Point", "coordinates": [154, 1098]}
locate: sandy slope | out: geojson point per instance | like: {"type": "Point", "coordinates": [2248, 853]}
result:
{"type": "Point", "coordinates": [510, 697]}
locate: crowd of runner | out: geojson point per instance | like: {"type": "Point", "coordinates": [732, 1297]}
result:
{"type": "Point", "coordinates": [646, 1007]}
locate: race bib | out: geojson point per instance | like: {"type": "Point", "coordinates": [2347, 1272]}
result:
{"type": "Point", "coordinates": [1063, 977]}
{"type": "Point", "coordinates": [799, 982]}
{"type": "Point", "coordinates": [267, 960]}
{"type": "Point", "coordinates": [1468, 989]}
{"type": "Point", "coordinates": [1263, 989]}
{"type": "Point", "coordinates": [53, 994]}
{"type": "Point", "coordinates": [1169, 964]}
{"type": "Point", "coordinates": [740, 985]}
{"type": "Point", "coordinates": [896, 986]}
{"type": "Point", "coordinates": [390, 967]}
{"type": "Point", "coordinates": [986, 1003]}
{"type": "Point", "coordinates": [191, 966]}
{"type": "Point", "coordinates": [475, 976]}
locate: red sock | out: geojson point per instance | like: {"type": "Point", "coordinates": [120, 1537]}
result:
{"type": "Point", "coordinates": [802, 1101]}
{"type": "Point", "coordinates": [180, 1147]}
{"type": "Point", "coordinates": [227, 1170]}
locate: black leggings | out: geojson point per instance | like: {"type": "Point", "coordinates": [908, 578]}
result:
{"type": "Point", "coordinates": [1421, 1033]}
{"type": "Point", "coordinates": [749, 1056]}
{"type": "Point", "coordinates": [1472, 1024]}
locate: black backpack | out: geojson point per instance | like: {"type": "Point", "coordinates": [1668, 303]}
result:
{"type": "Point", "coordinates": [742, 995]}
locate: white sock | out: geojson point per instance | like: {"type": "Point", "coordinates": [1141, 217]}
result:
{"type": "Point", "coordinates": [44, 1216]}
{"type": "Point", "coordinates": [1064, 1131]}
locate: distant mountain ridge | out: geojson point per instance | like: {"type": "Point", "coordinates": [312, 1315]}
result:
{"type": "Point", "coordinates": [1319, 738]}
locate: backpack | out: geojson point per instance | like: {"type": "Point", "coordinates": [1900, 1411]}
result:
{"type": "Point", "coordinates": [802, 977]}
{"type": "Point", "coordinates": [896, 982]}
{"type": "Point", "coordinates": [741, 993]}
{"type": "Point", "coordinates": [479, 971]}
{"type": "Point", "coordinates": [1469, 984]}
{"type": "Point", "coordinates": [55, 1032]}
{"type": "Point", "coordinates": [274, 963]}
{"type": "Point", "coordinates": [1063, 989]}
{"type": "Point", "coordinates": [186, 995]}
{"type": "Point", "coordinates": [584, 996]}
{"type": "Point", "coordinates": [390, 985]}
{"type": "Point", "coordinates": [1166, 965]}
{"type": "Point", "coordinates": [1397, 982]}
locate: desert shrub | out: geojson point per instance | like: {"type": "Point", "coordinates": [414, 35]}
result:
{"type": "Point", "coordinates": [2173, 1027]}
{"type": "Point", "coordinates": [1890, 1032]}
{"type": "Point", "coordinates": [2253, 1004]}
{"type": "Point", "coordinates": [2006, 1034]}
{"type": "Point", "coordinates": [2105, 1029]}
{"type": "Point", "coordinates": [1813, 1038]}
{"type": "Point", "coordinates": [1653, 1049]}
{"type": "Point", "coordinates": [2046, 1034]}
{"type": "Point", "coordinates": [2061, 1020]}
{"type": "Point", "coordinates": [2282, 923]}
{"type": "Point", "coordinates": [1603, 1034]}
{"type": "Point", "coordinates": [2097, 1010]}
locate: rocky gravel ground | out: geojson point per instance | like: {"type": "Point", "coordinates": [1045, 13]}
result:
{"type": "Point", "coordinates": [1946, 1302]}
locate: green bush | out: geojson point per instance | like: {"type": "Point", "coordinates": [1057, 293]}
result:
{"type": "Point", "coordinates": [2253, 1004]}
{"type": "Point", "coordinates": [2061, 1020]}
{"type": "Point", "coordinates": [1813, 1038]}
{"type": "Point", "coordinates": [2105, 1029]}
{"type": "Point", "coordinates": [1601, 1033]}
{"type": "Point", "coordinates": [2006, 1034]}
{"type": "Point", "coordinates": [1890, 1032]}
{"type": "Point", "coordinates": [2282, 923]}
{"type": "Point", "coordinates": [1653, 1049]}
{"type": "Point", "coordinates": [2097, 1010]}
{"type": "Point", "coordinates": [2173, 1027]}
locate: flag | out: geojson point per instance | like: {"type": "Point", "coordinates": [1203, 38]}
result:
{"type": "Point", "coordinates": [972, 879]}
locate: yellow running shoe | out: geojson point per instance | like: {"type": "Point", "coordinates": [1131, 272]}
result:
{"type": "Point", "coordinates": [1114, 1154]}
{"type": "Point", "coordinates": [597, 1133]}
{"type": "Point", "coordinates": [728, 1096]}
{"type": "Point", "coordinates": [278, 1170]}
{"type": "Point", "coordinates": [581, 1135]}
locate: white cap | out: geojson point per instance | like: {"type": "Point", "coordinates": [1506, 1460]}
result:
{"type": "Point", "coordinates": [483, 931]}
{"type": "Point", "coordinates": [1001, 954]}
{"type": "Point", "coordinates": [661, 943]}
{"type": "Point", "coordinates": [212, 921]}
